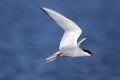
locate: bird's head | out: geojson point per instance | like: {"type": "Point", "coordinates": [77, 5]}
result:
{"type": "Point", "coordinates": [89, 53]}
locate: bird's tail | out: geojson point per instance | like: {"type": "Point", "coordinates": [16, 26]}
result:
{"type": "Point", "coordinates": [48, 59]}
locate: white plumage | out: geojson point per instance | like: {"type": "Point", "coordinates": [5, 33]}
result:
{"type": "Point", "coordinates": [72, 31]}
{"type": "Point", "coordinates": [69, 45]}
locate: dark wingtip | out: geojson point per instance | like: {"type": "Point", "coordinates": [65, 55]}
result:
{"type": "Point", "coordinates": [42, 8]}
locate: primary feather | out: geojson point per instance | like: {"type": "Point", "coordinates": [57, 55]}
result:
{"type": "Point", "coordinates": [72, 31]}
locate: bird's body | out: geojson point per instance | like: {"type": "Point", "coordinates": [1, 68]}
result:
{"type": "Point", "coordinates": [73, 52]}
{"type": "Point", "coordinates": [69, 45]}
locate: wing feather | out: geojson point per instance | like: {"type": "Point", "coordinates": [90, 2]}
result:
{"type": "Point", "coordinates": [72, 31]}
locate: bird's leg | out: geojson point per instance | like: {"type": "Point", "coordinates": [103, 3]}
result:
{"type": "Point", "coordinates": [58, 55]}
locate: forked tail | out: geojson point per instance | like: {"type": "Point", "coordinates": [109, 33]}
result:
{"type": "Point", "coordinates": [48, 59]}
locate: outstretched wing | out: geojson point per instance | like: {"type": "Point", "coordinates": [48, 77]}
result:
{"type": "Point", "coordinates": [80, 41]}
{"type": "Point", "coordinates": [72, 31]}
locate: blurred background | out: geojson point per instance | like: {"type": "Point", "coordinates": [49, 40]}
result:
{"type": "Point", "coordinates": [27, 34]}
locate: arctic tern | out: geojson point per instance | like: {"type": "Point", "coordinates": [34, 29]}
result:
{"type": "Point", "coordinates": [69, 45]}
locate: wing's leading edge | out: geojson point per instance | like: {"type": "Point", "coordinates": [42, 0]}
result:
{"type": "Point", "coordinates": [81, 40]}
{"type": "Point", "coordinates": [72, 31]}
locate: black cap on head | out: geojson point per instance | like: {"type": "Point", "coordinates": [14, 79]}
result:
{"type": "Point", "coordinates": [92, 55]}
{"type": "Point", "coordinates": [89, 52]}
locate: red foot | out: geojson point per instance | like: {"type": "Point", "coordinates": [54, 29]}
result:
{"type": "Point", "coordinates": [58, 55]}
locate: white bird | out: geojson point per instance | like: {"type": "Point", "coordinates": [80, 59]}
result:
{"type": "Point", "coordinates": [69, 45]}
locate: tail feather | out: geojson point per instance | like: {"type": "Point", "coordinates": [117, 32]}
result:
{"type": "Point", "coordinates": [46, 60]}
{"type": "Point", "coordinates": [52, 57]}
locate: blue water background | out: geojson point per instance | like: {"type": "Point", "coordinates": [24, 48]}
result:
{"type": "Point", "coordinates": [26, 34]}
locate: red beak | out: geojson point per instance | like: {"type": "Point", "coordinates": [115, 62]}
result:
{"type": "Point", "coordinates": [92, 55]}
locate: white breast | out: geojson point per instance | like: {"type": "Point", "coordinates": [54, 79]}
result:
{"type": "Point", "coordinates": [72, 52]}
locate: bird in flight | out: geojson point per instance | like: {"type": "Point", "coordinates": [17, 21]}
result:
{"type": "Point", "coordinates": [69, 44]}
